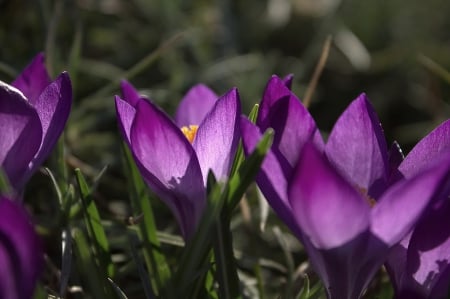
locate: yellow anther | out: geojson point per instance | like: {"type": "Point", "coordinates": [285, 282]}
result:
{"type": "Point", "coordinates": [371, 201]}
{"type": "Point", "coordinates": [190, 132]}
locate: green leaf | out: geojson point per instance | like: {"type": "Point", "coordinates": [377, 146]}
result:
{"type": "Point", "coordinates": [142, 273]}
{"type": "Point", "coordinates": [239, 157]}
{"type": "Point", "coordinates": [94, 278]}
{"type": "Point", "coordinates": [304, 292]}
{"type": "Point", "coordinates": [141, 204]}
{"type": "Point", "coordinates": [239, 182]}
{"type": "Point", "coordinates": [195, 260]}
{"type": "Point", "coordinates": [253, 115]}
{"type": "Point", "coordinates": [95, 229]}
{"type": "Point", "coordinates": [226, 270]}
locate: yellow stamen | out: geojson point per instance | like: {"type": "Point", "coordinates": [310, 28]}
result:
{"type": "Point", "coordinates": [371, 201]}
{"type": "Point", "coordinates": [190, 132]}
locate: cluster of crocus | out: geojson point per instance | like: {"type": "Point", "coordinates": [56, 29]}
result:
{"type": "Point", "coordinates": [33, 114]}
{"type": "Point", "coordinates": [175, 156]}
{"type": "Point", "coordinates": [351, 200]}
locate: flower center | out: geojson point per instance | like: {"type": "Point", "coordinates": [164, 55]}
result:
{"type": "Point", "coordinates": [371, 201]}
{"type": "Point", "coordinates": [190, 132]}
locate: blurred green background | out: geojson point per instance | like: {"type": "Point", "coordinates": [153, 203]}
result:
{"type": "Point", "coordinates": [398, 52]}
{"type": "Point", "coordinates": [392, 50]}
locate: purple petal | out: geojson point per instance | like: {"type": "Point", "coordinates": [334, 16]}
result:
{"type": "Point", "coordinates": [21, 133]}
{"type": "Point", "coordinates": [292, 123]}
{"type": "Point", "coordinates": [20, 252]}
{"type": "Point", "coordinates": [428, 149]}
{"type": "Point", "coordinates": [401, 206]}
{"type": "Point", "coordinates": [288, 80]}
{"type": "Point", "coordinates": [429, 252]}
{"type": "Point", "coordinates": [275, 90]}
{"type": "Point", "coordinates": [169, 164]}
{"type": "Point", "coordinates": [33, 80]}
{"type": "Point", "coordinates": [271, 179]}
{"type": "Point", "coordinates": [129, 93]}
{"type": "Point", "coordinates": [218, 135]}
{"type": "Point", "coordinates": [357, 147]}
{"type": "Point", "coordinates": [395, 158]}
{"type": "Point", "coordinates": [195, 105]}
{"type": "Point", "coordinates": [328, 210]}
{"type": "Point", "coordinates": [125, 115]}
{"type": "Point", "coordinates": [53, 108]}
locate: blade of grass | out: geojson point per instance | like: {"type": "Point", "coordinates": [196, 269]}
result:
{"type": "Point", "coordinates": [239, 182]}
{"type": "Point", "coordinates": [95, 282]}
{"type": "Point", "coordinates": [119, 292]}
{"type": "Point", "coordinates": [66, 263]}
{"type": "Point", "coordinates": [142, 273]}
{"type": "Point", "coordinates": [140, 201]}
{"type": "Point", "coordinates": [434, 67]}
{"type": "Point", "coordinates": [139, 67]}
{"type": "Point", "coordinates": [95, 229]}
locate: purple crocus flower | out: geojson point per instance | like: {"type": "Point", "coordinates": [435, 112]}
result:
{"type": "Point", "coordinates": [21, 257]}
{"type": "Point", "coordinates": [336, 197]}
{"type": "Point", "coordinates": [175, 156]}
{"type": "Point", "coordinates": [420, 265]}
{"type": "Point", "coordinates": [33, 113]}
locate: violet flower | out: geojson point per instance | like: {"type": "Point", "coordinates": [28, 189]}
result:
{"type": "Point", "coordinates": [21, 256]}
{"type": "Point", "coordinates": [336, 197]}
{"type": "Point", "coordinates": [33, 113]}
{"type": "Point", "coordinates": [175, 156]}
{"type": "Point", "coordinates": [420, 265]}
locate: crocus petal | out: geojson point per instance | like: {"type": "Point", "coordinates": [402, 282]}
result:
{"type": "Point", "coordinates": [53, 108]}
{"type": "Point", "coordinates": [429, 252]}
{"type": "Point", "coordinates": [282, 111]}
{"type": "Point", "coordinates": [21, 133]}
{"type": "Point", "coordinates": [125, 115]}
{"type": "Point", "coordinates": [218, 135]}
{"type": "Point", "coordinates": [271, 179]}
{"type": "Point", "coordinates": [33, 80]}
{"type": "Point", "coordinates": [168, 163]}
{"type": "Point", "coordinates": [401, 206]}
{"type": "Point", "coordinates": [195, 105]}
{"type": "Point", "coordinates": [428, 149]}
{"type": "Point", "coordinates": [130, 94]}
{"type": "Point", "coordinates": [20, 252]}
{"type": "Point", "coordinates": [288, 80]}
{"type": "Point", "coordinates": [357, 147]}
{"type": "Point", "coordinates": [329, 210]}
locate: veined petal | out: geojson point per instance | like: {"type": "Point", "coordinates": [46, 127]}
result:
{"type": "Point", "coordinates": [129, 93]}
{"type": "Point", "coordinates": [291, 121]}
{"type": "Point", "coordinates": [168, 163]}
{"type": "Point", "coordinates": [401, 206]}
{"type": "Point", "coordinates": [33, 79]}
{"type": "Point", "coordinates": [125, 115]}
{"type": "Point", "coordinates": [195, 105]}
{"type": "Point", "coordinates": [21, 133]}
{"type": "Point", "coordinates": [271, 179]}
{"type": "Point", "coordinates": [357, 148]}
{"type": "Point", "coordinates": [328, 210]}
{"type": "Point", "coordinates": [428, 149]}
{"type": "Point", "coordinates": [53, 108]}
{"type": "Point", "coordinates": [218, 135]}
{"type": "Point", "coordinates": [21, 254]}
